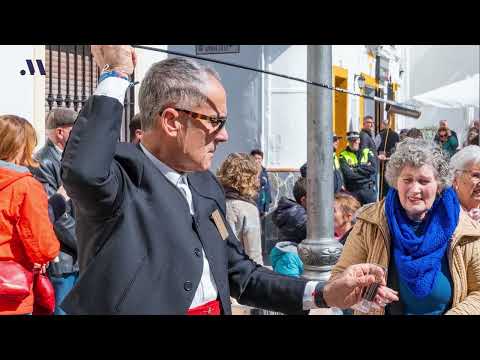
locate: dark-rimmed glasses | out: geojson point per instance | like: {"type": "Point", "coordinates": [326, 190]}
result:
{"type": "Point", "coordinates": [218, 122]}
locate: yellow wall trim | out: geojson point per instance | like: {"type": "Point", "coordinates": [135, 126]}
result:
{"type": "Point", "coordinates": [370, 81]}
{"type": "Point", "coordinates": [340, 72]}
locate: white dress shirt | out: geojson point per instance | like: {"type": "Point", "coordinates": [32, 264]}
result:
{"type": "Point", "coordinates": [116, 88]}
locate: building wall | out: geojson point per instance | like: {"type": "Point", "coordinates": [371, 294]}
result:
{"type": "Point", "coordinates": [23, 95]}
{"type": "Point", "coordinates": [145, 58]}
{"type": "Point", "coordinates": [244, 95]}
{"type": "Point", "coordinates": [286, 118]}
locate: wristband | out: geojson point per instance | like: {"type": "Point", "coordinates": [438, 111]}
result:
{"type": "Point", "coordinates": [318, 296]}
{"type": "Point", "coordinates": [111, 73]}
{"type": "Point", "coordinates": [114, 73]}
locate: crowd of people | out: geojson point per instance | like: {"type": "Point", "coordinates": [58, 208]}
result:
{"type": "Point", "coordinates": [147, 228]}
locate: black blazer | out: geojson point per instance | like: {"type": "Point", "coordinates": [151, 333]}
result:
{"type": "Point", "coordinates": [139, 247]}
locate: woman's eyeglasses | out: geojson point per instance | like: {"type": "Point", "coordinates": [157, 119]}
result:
{"type": "Point", "coordinates": [473, 175]}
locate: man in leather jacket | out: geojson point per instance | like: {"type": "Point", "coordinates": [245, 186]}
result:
{"type": "Point", "coordinates": [64, 272]}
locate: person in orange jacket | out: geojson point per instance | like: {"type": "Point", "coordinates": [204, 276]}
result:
{"type": "Point", "coordinates": [26, 233]}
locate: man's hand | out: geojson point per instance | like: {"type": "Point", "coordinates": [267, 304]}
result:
{"type": "Point", "coordinates": [61, 191]}
{"type": "Point", "coordinates": [346, 290]}
{"type": "Point", "coordinates": [121, 58]}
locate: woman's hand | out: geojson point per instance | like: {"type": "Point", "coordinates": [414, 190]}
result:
{"type": "Point", "coordinates": [474, 214]}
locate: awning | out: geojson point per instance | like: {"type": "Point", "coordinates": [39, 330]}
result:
{"type": "Point", "coordinates": [460, 94]}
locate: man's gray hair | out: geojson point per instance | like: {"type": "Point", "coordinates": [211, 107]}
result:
{"type": "Point", "coordinates": [175, 82]}
{"type": "Point", "coordinates": [416, 153]}
{"type": "Point", "coordinates": [465, 159]}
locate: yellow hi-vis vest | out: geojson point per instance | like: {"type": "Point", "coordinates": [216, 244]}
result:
{"type": "Point", "coordinates": [336, 162]}
{"type": "Point", "coordinates": [351, 158]}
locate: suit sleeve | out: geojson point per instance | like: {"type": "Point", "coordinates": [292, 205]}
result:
{"type": "Point", "coordinates": [89, 173]}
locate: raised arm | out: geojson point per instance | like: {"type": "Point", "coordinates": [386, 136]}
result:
{"type": "Point", "coordinates": [89, 173]}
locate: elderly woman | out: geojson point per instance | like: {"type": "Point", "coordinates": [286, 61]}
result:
{"type": "Point", "coordinates": [466, 168]}
{"type": "Point", "coordinates": [239, 175]}
{"type": "Point", "coordinates": [430, 246]}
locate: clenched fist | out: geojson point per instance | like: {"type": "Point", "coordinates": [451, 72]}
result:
{"type": "Point", "coordinates": [121, 58]}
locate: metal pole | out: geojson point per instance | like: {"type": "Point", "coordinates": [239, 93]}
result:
{"type": "Point", "coordinates": [319, 251]}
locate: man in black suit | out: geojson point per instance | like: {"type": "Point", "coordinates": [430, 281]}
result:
{"type": "Point", "coordinates": [151, 226]}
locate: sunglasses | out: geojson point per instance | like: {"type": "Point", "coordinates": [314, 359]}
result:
{"type": "Point", "coordinates": [218, 122]}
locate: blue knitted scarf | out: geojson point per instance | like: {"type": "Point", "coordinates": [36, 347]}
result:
{"type": "Point", "coordinates": [418, 258]}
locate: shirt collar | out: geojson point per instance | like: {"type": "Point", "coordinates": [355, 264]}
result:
{"type": "Point", "coordinates": [173, 176]}
{"type": "Point", "coordinates": [58, 149]}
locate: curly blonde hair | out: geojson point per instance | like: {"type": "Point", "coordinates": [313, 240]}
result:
{"type": "Point", "coordinates": [240, 172]}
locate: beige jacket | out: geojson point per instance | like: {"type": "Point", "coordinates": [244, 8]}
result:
{"type": "Point", "coordinates": [244, 219]}
{"type": "Point", "coordinates": [369, 242]}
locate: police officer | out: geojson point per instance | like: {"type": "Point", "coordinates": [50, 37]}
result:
{"type": "Point", "coordinates": [338, 181]}
{"type": "Point", "coordinates": [359, 169]}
